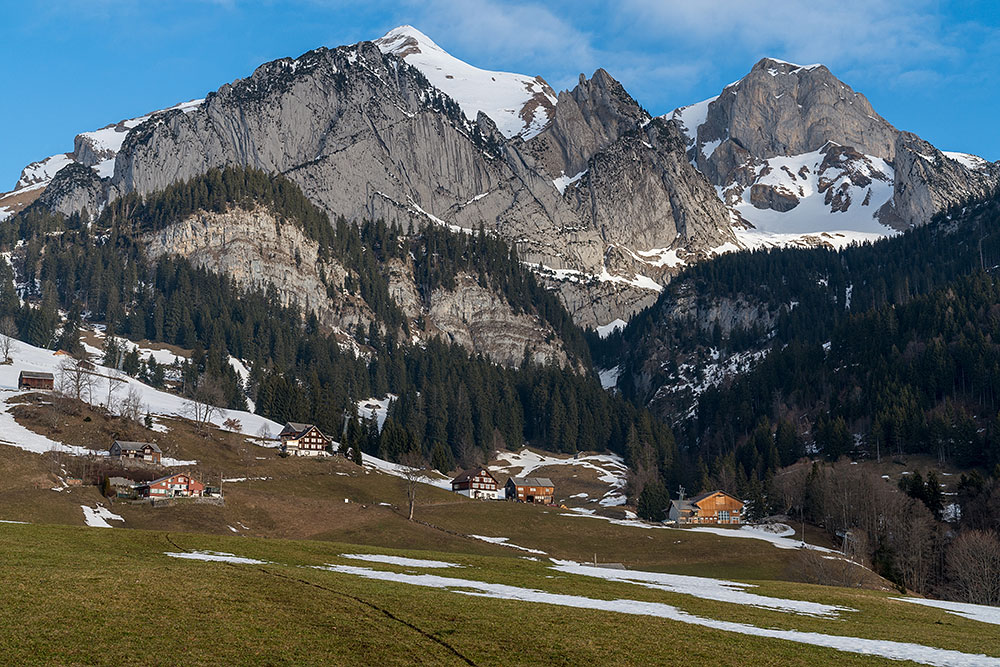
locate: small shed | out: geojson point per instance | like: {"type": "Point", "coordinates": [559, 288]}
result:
{"type": "Point", "coordinates": [147, 452]}
{"type": "Point", "coordinates": [35, 380]}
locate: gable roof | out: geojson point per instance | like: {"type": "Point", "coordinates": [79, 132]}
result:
{"type": "Point", "coordinates": [298, 430]}
{"type": "Point", "coordinates": [708, 494]}
{"type": "Point", "coordinates": [127, 446]}
{"type": "Point", "coordinates": [469, 474]}
{"type": "Point", "coordinates": [38, 375]}
{"type": "Point", "coordinates": [532, 481]}
{"type": "Point", "coordinates": [171, 475]}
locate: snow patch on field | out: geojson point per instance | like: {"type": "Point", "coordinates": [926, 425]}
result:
{"type": "Point", "coordinates": [882, 648]}
{"type": "Point", "coordinates": [215, 557]}
{"type": "Point", "coordinates": [975, 612]}
{"type": "Point", "coordinates": [782, 539]}
{"type": "Point", "coordinates": [701, 587]}
{"type": "Point", "coordinates": [98, 517]}
{"type": "Point", "coordinates": [401, 471]}
{"type": "Point", "coordinates": [505, 542]}
{"type": "Point", "coordinates": [400, 560]}
{"type": "Point", "coordinates": [818, 217]}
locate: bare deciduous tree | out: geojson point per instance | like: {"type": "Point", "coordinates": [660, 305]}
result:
{"type": "Point", "coordinates": [132, 407]}
{"type": "Point", "coordinates": [974, 567]}
{"type": "Point", "coordinates": [8, 332]}
{"type": "Point", "coordinates": [76, 379]}
{"type": "Point", "coordinates": [413, 473]}
{"type": "Point", "coordinates": [203, 405]}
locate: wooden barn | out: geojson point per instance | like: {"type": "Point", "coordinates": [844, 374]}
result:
{"type": "Point", "coordinates": [709, 507]}
{"type": "Point", "coordinates": [303, 440]}
{"type": "Point", "coordinates": [178, 485]}
{"type": "Point", "coordinates": [478, 483]}
{"type": "Point", "coordinates": [146, 452]}
{"type": "Point", "coordinates": [35, 380]}
{"type": "Point", "coordinates": [530, 490]}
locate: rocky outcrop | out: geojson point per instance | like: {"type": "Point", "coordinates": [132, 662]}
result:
{"type": "Point", "coordinates": [75, 188]}
{"type": "Point", "coordinates": [929, 181]}
{"type": "Point", "coordinates": [259, 251]}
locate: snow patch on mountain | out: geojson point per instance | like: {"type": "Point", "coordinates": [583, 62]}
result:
{"type": "Point", "coordinates": [691, 117]}
{"type": "Point", "coordinates": [829, 196]}
{"type": "Point", "coordinates": [968, 161]}
{"type": "Point", "coordinates": [520, 105]}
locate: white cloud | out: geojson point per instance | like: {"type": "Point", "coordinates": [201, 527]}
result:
{"type": "Point", "coordinates": [841, 34]}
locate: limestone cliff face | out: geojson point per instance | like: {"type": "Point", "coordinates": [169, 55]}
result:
{"type": "Point", "coordinates": [258, 251]}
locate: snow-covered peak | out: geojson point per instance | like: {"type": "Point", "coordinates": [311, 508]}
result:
{"type": "Point", "coordinates": [520, 105]}
{"type": "Point", "coordinates": [783, 65]}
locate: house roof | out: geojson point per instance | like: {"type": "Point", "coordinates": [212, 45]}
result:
{"type": "Point", "coordinates": [532, 481]}
{"type": "Point", "coordinates": [136, 446]}
{"type": "Point", "coordinates": [701, 496]}
{"type": "Point", "coordinates": [166, 477]}
{"type": "Point", "coordinates": [468, 474]}
{"type": "Point", "coordinates": [38, 375]}
{"type": "Point", "coordinates": [120, 481]}
{"type": "Point", "coordinates": [297, 429]}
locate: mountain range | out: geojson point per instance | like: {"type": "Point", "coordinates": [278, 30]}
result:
{"type": "Point", "coordinates": [603, 201]}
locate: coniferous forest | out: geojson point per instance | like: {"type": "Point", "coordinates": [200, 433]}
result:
{"type": "Point", "coordinates": [452, 407]}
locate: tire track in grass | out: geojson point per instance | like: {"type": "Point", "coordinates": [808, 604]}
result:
{"type": "Point", "coordinates": [385, 612]}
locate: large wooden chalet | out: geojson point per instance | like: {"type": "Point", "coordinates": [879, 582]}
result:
{"type": "Point", "coordinates": [477, 483]}
{"type": "Point", "coordinates": [146, 452]}
{"type": "Point", "coordinates": [530, 490]}
{"type": "Point", "coordinates": [35, 380]}
{"type": "Point", "coordinates": [178, 485]}
{"type": "Point", "coordinates": [303, 440]}
{"type": "Point", "coordinates": [709, 507]}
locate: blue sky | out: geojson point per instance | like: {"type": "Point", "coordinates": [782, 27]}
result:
{"type": "Point", "coordinates": [74, 65]}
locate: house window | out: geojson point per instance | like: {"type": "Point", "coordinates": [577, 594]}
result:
{"type": "Point", "coordinates": [724, 516]}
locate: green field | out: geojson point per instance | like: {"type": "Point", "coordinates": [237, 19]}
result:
{"type": "Point", "coordinates": [96, 596]}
